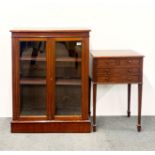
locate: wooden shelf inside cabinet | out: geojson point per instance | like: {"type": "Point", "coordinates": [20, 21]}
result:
{"type": "Point", "coordinates": [68, 82]}
{"type": "Point", "coordinates": [31, 58]}
{"type": "Point", "coordinates": [66, 59]}
{"type": "Point", "coordinates": [33, 81]}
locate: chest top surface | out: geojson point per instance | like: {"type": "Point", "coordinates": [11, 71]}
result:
{"type": "Point", "coordinates": [114, 53]}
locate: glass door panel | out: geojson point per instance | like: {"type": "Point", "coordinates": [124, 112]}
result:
{"type": "Point", "coordinates": [68, 70]}
{"type": "Point", "coordinates": [29, 70]}
{"type": "Point", "coordinates": [33, 77]}
{"type": "Point", "coordinates": [68, 77]}
{"type": "Point", "coordinates": [33, 100]}
{"type": "Point", "coordinates": [68, 49]}
{"type": "Point", "coordinates": [32, 49]}
{"type": "Point", "coordinates": [68, 100]}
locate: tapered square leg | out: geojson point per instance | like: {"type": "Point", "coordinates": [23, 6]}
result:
{"type": "Point", "coordinates": [129, 100]}
{"type": "Point", "coordinates": [139, 106]}
{"type": "Point", "coordinates": [94, 106]}
{"type": "Point", "coordinates": [139, 128]}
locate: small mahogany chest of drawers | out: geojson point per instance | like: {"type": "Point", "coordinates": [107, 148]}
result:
{"type": "Point", "coordinates": [117, 66]}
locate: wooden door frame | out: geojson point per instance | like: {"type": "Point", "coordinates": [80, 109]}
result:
{"type": "Point", "coordinates": [16, 80]}
{"type": "Point", "coordinates": [84, 78]}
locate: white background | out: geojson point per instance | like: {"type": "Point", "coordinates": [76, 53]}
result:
{"type": "Point", "coordinates": [115, 24]}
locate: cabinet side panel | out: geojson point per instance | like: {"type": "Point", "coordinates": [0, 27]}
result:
{"type": "Point", "coordinates": [15, 79]}
{"type": "Point", "coordinates": [85, 78]}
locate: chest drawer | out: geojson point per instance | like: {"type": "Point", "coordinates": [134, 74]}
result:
{"type": "Point", "coordinates": [130, 62]}
{"type": "Point", "coordinates": [104, 63]}
{"type": "Point", "coordinates": [117, 71]}
{"type": "Point", "coordinates": [118, 79]}
{"type": "Point", "coordinates": [117, 67]}
{"type": "Point", "coordinates": [117, 62]}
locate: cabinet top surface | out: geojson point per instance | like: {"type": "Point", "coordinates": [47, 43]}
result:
{"type": "Point", "coordinates": [114, 53]}
{"type": "Point", "coordinates": [50, 30]}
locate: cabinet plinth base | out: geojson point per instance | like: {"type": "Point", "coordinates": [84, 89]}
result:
{"type": "Point", "coordinates": [51, 126]}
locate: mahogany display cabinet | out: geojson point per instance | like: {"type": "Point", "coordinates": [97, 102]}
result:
{"type": "Point", "coordinates": [50, 80]}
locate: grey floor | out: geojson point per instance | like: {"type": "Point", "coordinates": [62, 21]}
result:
{"type": "Point", "coordinates": [113, 133]}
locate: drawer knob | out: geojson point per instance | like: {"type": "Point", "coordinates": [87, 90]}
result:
{"type": "Point", "coordinates": [129, 61]}
{"type": "Point", "coordinates": [106, 78]}
{"type": "Point", "coordinates": [107, 72]}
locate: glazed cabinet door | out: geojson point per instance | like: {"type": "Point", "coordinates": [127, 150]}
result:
{"type": "Point", "coordinates": [50, 78]}
{"type": "Point", "coordinates": [30, 78]}
{"type": "Point", "coordinates": [68, 58]}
